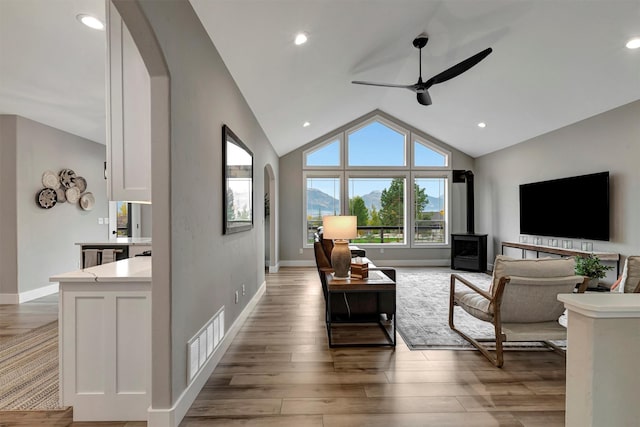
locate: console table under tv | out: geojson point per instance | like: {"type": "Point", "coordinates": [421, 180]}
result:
{"type": "Point", "coordinates": [604, 256]}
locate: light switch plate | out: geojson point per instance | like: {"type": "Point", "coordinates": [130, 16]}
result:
{"type": "Point", "coordinates": [100, 221]}
{"type": "Point", "coordinates": [106, 220]}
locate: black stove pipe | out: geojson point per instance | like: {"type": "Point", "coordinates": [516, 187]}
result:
{"type": "Point", "coordinates": [471, 220]}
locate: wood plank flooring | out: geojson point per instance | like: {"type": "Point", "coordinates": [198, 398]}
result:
{"type": "Point", "coordinates": [280, 372]}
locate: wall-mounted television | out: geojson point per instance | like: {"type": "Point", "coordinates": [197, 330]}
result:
{"type": "Point", "coordinates": [574, 207]}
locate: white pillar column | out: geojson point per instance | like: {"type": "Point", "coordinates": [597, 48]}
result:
{"type": "Point", "coordinates": [603, 360]}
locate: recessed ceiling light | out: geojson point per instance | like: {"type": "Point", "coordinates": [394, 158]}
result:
{"type": "Point", "coordinates": [306, 124]}
{"type": "Point", "coordinates": [301, 38]}
{"type": "Point", "coordinates": [90, 21]}
{"type": "Point", "coordinates": [482, 125]}
{"type": "Point", "coordinates": [634, 43]}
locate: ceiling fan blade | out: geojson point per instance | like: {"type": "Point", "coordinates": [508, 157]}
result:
{"type": "Point", "coordinates": [424, 98]}
{"type": "Point", "coordinates": [410, 87]}
{"type": "Point", "coordinates": [458, 69]}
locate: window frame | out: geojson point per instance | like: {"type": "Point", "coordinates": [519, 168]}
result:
{"type": "Point", "coordinates": [432, 146]}
{"type": "Point", "coordinates": [380, 174]}
{"type": "Point", "coordinates": [448, 175]}
{"type": "Point", "coordinates": [326, 142]}
{"type": "Point", "coordinates": [319, 174]}
{"type": "Point", "coordinates": [387, 123]}
{"type": "Point", "coordinates": [344, 172]}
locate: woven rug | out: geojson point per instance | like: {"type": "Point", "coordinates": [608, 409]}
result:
{"type": "Point", "coordinates": [423, 309]}
{"type": "Point", "coordinates": [29, 370]}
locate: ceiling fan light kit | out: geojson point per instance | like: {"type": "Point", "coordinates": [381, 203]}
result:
{"type": "Point", "coordinates": [421, 88]}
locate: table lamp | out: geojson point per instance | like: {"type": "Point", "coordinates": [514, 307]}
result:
{"type": "Point", "coordinates": [340, 229]}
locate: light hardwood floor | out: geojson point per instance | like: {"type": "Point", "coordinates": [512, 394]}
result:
{"type": "Point", "coordinates": [279, 371]}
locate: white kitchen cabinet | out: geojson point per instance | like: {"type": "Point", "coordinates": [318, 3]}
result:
{"type": "Point", "coordinates": [105, 341]}
{"type": "Point", "coordinates": [128, 115]}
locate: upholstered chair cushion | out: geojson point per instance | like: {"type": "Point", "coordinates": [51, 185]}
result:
{"type": "Point", "coordinates": [538, 268]}
{"type": "Point", "coordinates": [630, 275]}
{"type": "Point", "coordinates": [321, 258]}
{"type": "Point", "coordinates": [474, 304]}
{"type": "Point", "coordinates": [534, 300]}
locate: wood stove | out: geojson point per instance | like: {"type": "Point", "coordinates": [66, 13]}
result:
{"type": "Point", "coordinates": [468, 250]}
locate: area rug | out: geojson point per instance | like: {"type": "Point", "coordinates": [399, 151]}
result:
{"type": "Point", "coordinates": [29, 370]}
{"type": "Point", "coordinates": [422, 305]}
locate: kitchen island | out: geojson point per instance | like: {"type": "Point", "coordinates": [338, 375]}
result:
{"type": "Point", "coordinates": [105, 340]}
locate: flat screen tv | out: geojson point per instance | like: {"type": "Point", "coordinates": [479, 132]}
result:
{"type": "Point", "coordinates": [575, 207]}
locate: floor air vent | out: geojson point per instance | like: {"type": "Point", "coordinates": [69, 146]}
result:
{"type": "Point", "coordinates": [202, 345]}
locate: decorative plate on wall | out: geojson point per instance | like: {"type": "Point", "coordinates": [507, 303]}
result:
{"type": "Point", "coordinates": [67, 177]}
{"type": "Point", "coordinates": [46, 198]}
{"type": "Point", "coordinates": [60, 194]}
{"type": "Point", "coordinates": [81, 183]}
{"type": "Point", "coordinates": [87, 201]}
{"type": "Point", "coordinates": [73, 194]}
{"type": "Point", "coordinates": [50, 180]}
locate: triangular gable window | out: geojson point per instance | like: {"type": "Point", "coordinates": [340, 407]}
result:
{"type": "Point", "coordinates": [376, 144]}
{"type": "Point", "coordinates": [426, 156]}
{"type": "Point", "coordinates": [325, 155]}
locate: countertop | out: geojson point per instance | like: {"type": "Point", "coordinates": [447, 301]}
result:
{"type": "Point", "coordinates": [603, 305]}
{"type": "Point", "coordinates": [137, 269]}
{"type": "Point", "coordinates": [119, 241]}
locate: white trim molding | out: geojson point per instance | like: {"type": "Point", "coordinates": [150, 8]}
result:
{"type": "Point", "coordinates": [29, 295]}
{"type": "Point", "coordinates": [38, 293]}
{"type": "Point", "coordinates": [171, 417]}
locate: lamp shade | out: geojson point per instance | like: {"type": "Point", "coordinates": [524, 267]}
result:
{"type": "Point", "coordinates": [340, 227]}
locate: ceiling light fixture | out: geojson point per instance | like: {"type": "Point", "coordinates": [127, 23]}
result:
{"type": "Point", "coordinates": [306, 124]}
{"type": "Point", "coordinates": [634, 43]}
{"type": "Point", "coordinates": [301, 38]}
{"type": "Point", "coordinates": [90, 21]}
{"type": "Point", "coordinates": [482, 125]}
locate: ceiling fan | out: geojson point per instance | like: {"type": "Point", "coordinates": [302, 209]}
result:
{"type": "Point", "coordinates": [422, 88]}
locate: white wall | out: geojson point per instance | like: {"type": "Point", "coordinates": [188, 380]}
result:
{"type": "Point", "coordinates": [606, 142]}
{"type": "Point", "coordinates": [38, 243]}
{"type": "Point", "coordinates": [291, 208]}
{"type": "Point", "coordinates": [206, 266]}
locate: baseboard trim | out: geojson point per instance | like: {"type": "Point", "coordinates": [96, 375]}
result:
{"type": "Point", "coordinates": [28, 295]}
{"type": "Point", "coordinates": [38, 293]}
{"type": "Point", "coordinates": [413, 262]}
{"type": "Point", "coordinates": [172, 417]}
{"type": "Point", "coordinates": [274, 268]}
{"type": "Point", "coordinates": [296, 263]}
{"type": "Point", "coordinates": [383, 263]}
{"type": "Point", "coordinates": [9, 299]}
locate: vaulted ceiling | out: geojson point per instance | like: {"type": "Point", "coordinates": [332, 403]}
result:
{"type": "Point", "coordinates": [553, 63]}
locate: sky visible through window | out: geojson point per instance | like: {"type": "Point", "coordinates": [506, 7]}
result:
{"type": "Point", "coordinates": [375, 145]}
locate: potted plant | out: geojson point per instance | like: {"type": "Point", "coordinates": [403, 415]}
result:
{"type": "Point", "coordinates": [591, 267]}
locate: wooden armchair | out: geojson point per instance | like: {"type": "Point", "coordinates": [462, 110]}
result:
{"type": "Point", "coordinates": [521, 304]}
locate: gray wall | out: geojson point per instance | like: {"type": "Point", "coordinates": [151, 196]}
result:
{"type": "Point", "coordinates": [291, 208]}
{"type": "Point", "coordinates": [47, 237]}
{"type": "Point", "coordinates": [8, 220]}
{"type": "Point", "coordinates": [207, 266]}
{"type": "Point", "coordinates": [606, 142]}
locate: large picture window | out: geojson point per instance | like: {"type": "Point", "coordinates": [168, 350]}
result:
{"type": "Point", "coordinates": [379, 204]}
{"type": "Point", "coordinates": [322, 198]}
{"type": "Point", "coordinates": [430, 210]}
{"type": "Point", "coordinates": [393, 180]}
